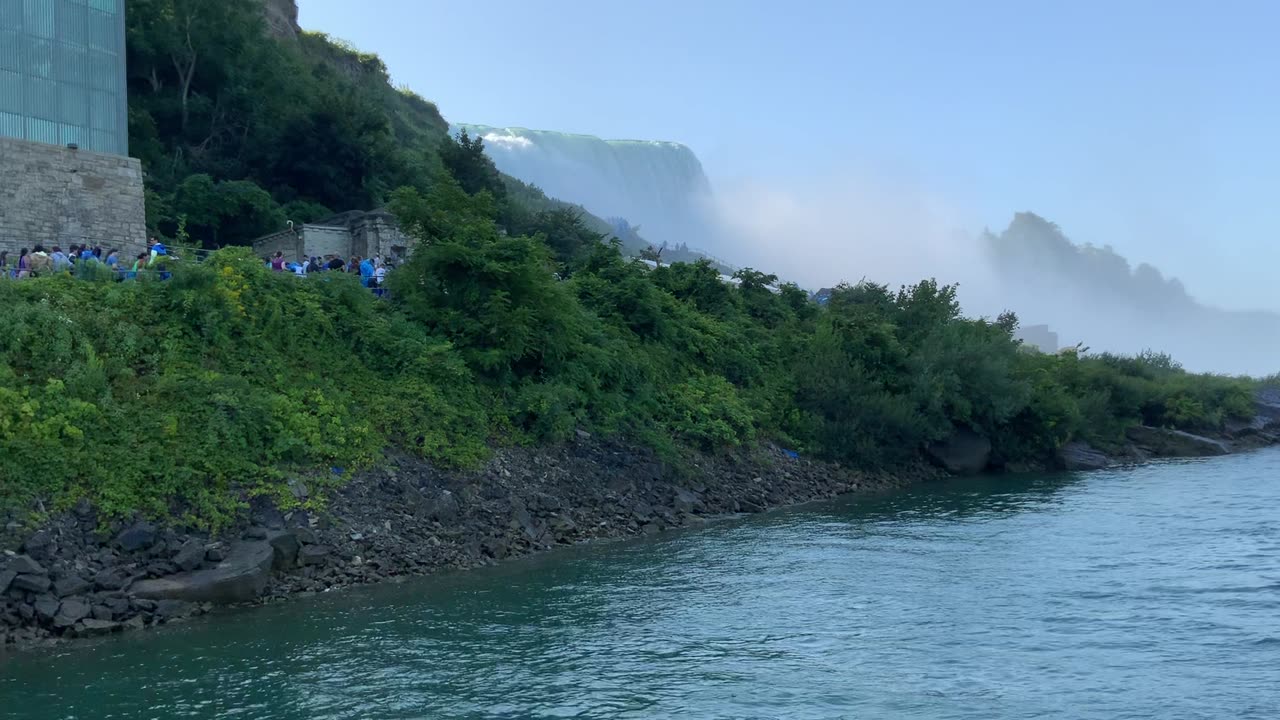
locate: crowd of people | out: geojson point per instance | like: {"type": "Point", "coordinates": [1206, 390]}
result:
{"type": "Point", "coordinates": [38, 261]}
{"type": "Point", "coordinates": [372, 271]}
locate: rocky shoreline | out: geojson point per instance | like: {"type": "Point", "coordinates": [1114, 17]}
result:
{"type": "Point", "coordinates": [77, 577]}
{"type": "Point", "coordinates": [73, 578]}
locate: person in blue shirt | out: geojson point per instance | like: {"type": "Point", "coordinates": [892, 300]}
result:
{"type": "Point", "coordinates": [366, 272]}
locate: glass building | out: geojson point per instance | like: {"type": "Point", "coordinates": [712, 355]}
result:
{"type": "Point", "coordinates": [62, 73]}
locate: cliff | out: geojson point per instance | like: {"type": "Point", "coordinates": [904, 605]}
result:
{"type": "Point", "coordinates": [658, 186]}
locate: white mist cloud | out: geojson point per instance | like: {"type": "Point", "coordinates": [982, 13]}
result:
{"type": "Point", "coordinates": [824, 233]}
{"type": "Point", "coordinates": [507, 142]}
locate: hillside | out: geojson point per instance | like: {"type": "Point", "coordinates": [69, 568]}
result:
{"type": "Point", "coordinates": [1093, 294]}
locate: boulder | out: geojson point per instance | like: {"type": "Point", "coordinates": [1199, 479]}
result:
{"type": "Point", "coordinates": [6, 577]}
{"type": "Point", "coordinates": [24, 565]}
{"type": "Point", "coordinates": [312, 555]}
{"type": "Point", "coordinates": [964, 453]}
{"type": "Point", "coordinates": [190, 555]}
{"type": "Point", "coordinates": [173, 609]}
{"type": "Point", "coordinates": [241, 577]}
{"type": "Point", "coordinates": [1078, 455]}
{"type": "Point", "coordinates": [443, 507]}
{"type": "Point", "coordinates": [31, 583]}
{"type": "Point", "coordinates": [70, 612]}
{"type": "Point", "coordinates": [39, 544]}
{"type": "Point", "coordinates": [1163, 442]}
{"type": "Point", "coordinates": [91, 627]}
{"type": "Point", "coordinates": [46, 607]}
{"type": "Point", "coordinates": [140, 536]}
{"type": "Point", "coordinates": [284, 548]}
{"type": "Point", "coordinates": [111, 579]}
{"type": "Point", "coordinates": [71, 585]}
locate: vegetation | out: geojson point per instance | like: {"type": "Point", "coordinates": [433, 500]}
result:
{"type": "Point", "coordinates": [510, 323]}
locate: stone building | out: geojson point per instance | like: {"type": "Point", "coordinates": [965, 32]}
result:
{"type": "Point", "coordinates": [65, 176]}
{"type": "Point", "coordinates": [366, 234]}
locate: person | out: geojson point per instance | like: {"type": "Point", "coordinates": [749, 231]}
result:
{"type": "Point", "coordinates": [113, 259]}
{"type": "Point", "coordinates": [353, 267]}
{"type": "Point", "coordinates": [313, 266]}
{"type": "Point", "coordinates": [277, 262]}
{"type": "Point", "coordinates": [59, 258]}
{"type": "Point", "coordinates": [139, 265]}
{"type": "Point", "coordinates": [40, 261]}
{"type": "Point", "coordinates": [86, 253]}
{"type": "Point", "coordinates": [336, 263]}
{"type": "Point", "coordinates": [157, 249]}
{"type": "Point", "coordinates": [4, 264]}
{"type": "Point", "coordinates": [366, 272]}
{"type": "Point", "coordinates": [380, 275]}
{"type": "Point", "coordinates": [24, 265]}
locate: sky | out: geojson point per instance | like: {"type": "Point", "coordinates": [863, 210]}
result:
{"type": "Point", "coordinates": [1153, 127]}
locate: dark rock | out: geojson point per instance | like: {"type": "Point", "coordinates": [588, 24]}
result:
{"type": "Point", "coordinates": [216, 554]}
{"type": "Point", "coordinates": [39, 543]}
{"type": "Point", "coordinates": [91, 627]}
{"type": "Point", "coordinates": [119, 607]}
{"type": "Point", "coordinates": [83, 509]}
{"type": "Point", "coordinates": [140, 536]}
{"type": "Point", "coordinates": [102, 612]}
{"type": "Point", "coordinates": [46, 606]}
{"type": "Point", "coordinates": [143, 604]}
{"type": "Point", "coordinates": [1078, 455]}
{"type": "Point", "coordinates": [190, 555]}
{"type": "Point", "coordinates": [306, 536]}
{"type": "Point", "coordinates": [174, 609]}
{"type": "Point", "coordinates": [24, 565]}
{"type": "Point", "coordinates": [255, 533]}
{"type": "Point", "coordinates": [964, 453]}
{"type": "Point", "coordinates": [686, 502]}
{"type": "Point", "coordinates": [27, 612]}
{"type": "Point", "coordinates": [70, 612]}
{"type": "Point", "coordinates": [31, 583]}
{"type": "Point", "coordinates": [71, 585]}
{"type": "Point", "coordinates": [6, 577]}
{"type": "Point", "coordinates": [239, 578]}
{"type": "Point", "coordinates": [443, 507]}
{"type": "Point", "coordinates": [111, 579]}
{"type": "Point", "coordinates": [284, 547]}
{"type": "Point", "coordinates": [298, 489]}
{"type": "Point", "coordinates": [312, 555]}
{"type": "Point", "coordinates": [1163, 442]}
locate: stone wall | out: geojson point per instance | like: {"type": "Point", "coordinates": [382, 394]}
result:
{"type": "Point", "coordinates": [285, 241]}
{"type": "Point", "coordinates": [51, 195]}
{"type": "Point", "coordinates": [319, 241]}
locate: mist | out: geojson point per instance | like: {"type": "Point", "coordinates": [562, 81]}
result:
{"type": "Point", "coordinates": [824, 233]}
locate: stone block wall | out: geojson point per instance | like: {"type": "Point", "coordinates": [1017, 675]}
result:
{"type": "Point", "coordinates": [52, 195]}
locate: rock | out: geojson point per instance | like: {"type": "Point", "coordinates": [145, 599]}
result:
{"type": "Point", "coordinates": [46, 606]}
{"type": "Point", "coordinates": [190, 555]}
{"type": "Point", "coordinates": [119, 607]}
{"type": "Point", "coordinates": [964, 453]}
{"type": "Point", "coordinates": [111, 579]}
{"type": "Point", "coordinates": [443, 507]}
{"type": "Point", "coordinates": [135, 623]}
{"type": "Point", "coordinates": [216, 554]}
{"type": "Point", "coordinates": [239, 578]}
{"type": "Point", "coordinates": [24, 565]}
{"type": "Point", "coordinates": [298, 489]}
{"type": "Point", "coordinates": [70, 612]}
{"type": "Point", "coordinates": [140, 536]}
{"type": "Point", "coordinates": [582, 434]}
{"type": "Point", "coordinates": [1079, 455]}
{"type": "Point", "coordinates": [30, 583]}
{"type": "Point", "coordinates": [102, 612]}
{"type": "Point", "coordinates": [306, 535]}
{"type": "Point", "coordinates": [312, 555]}
{"type": "Point", "coordinates": [6, 577]}
{"type": "Point", "coordinates": [91, 627]}
{"type": "Point", "coordinates": [39, 543]}
{"type": "Point", "coordinates": [174, 609]}
{"type": "Point", "coordinates": [284, 547]}
{"type": "Point", "coordinates": [83, 509]}
{"type": "Point", "coordinates": [686, 502]}
{"type": "Point", "coordinates": [255, 533]}
{"type": "Point", "coordinates": [71, 585]}
{"type": "Point", "coordinates": [1163, 442]}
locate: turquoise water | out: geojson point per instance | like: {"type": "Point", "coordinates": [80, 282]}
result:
{"type": "Point", "coordinates": [1144, 593]}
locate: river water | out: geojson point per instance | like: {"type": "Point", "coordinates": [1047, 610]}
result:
{"type": "Point", "coordinates": [1151, 592]}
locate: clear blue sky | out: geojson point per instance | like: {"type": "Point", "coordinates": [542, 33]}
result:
{"type": "Point", "coordinates": [1150, 126]}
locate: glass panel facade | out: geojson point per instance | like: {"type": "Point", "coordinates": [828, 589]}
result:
{"type": "Point", "coordinates": [62, 74]}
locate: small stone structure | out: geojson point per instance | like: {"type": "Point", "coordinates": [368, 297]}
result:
{"type": "Point", "coordinates": [53, 195]}
{"type": "Point", "coordinates": [1039, 337]}
{"type": "Point", "coordinates": [366, 234]}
